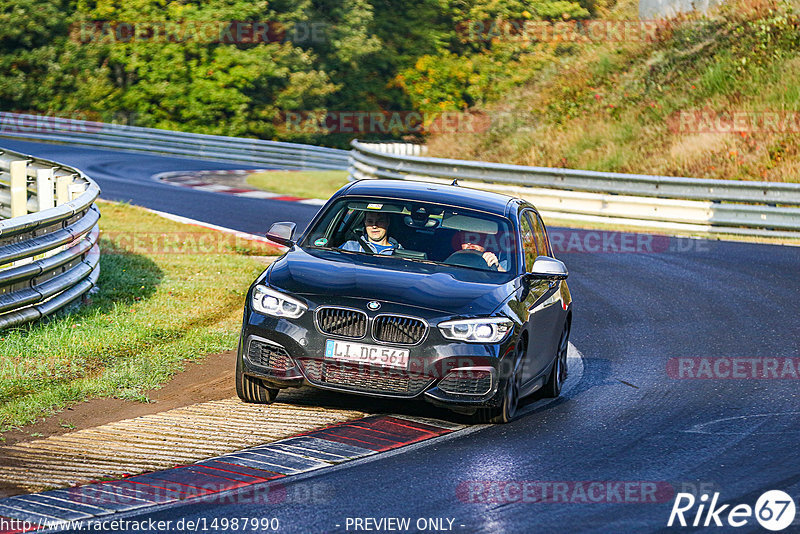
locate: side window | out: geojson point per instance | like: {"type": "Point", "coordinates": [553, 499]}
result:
{"type": "Point", "coordinates": [542, 243]}
{"type": "Point", "coordinates": [341, 223]}
{"type": "Point", "coordinates": [528, 242]}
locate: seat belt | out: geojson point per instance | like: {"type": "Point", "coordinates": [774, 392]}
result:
{"type": "Point", "coordinates": [364, 245]}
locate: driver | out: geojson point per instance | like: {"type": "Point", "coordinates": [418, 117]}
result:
{"type": "Point", "coordinates": [489, 257]}
{"type": "Point", "coordinates": [376, 227]}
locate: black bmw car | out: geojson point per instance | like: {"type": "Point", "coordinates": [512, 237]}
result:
{"type": "Point", "coordinates": [411, 290]}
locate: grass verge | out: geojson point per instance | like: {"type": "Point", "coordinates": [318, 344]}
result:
{"type": "Point", "coordinates": [709, 97]}
{"type": "Point", "coordinates": [304, 184]}
{"type": "Point", "coordinates": [168, 293]}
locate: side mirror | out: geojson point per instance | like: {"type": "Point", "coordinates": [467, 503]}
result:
{"type": "Point", "coordinates": [547, 268]}
{"type": "Point", "coordinates": [282, 233]}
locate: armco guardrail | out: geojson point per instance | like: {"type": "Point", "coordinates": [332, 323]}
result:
{"type": "Point", "coordinates": [48, 237]}
{"type": "Point", "coordinates": [690, 204]}
{"type": "Point", "coordinates": [183, 144]}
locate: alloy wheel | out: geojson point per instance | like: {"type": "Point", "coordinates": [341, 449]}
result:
{"type": "Point", "coordinates": [513, 386]}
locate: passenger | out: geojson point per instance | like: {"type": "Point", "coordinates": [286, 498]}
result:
{"type": "Point", "coordinates": [376, 226]}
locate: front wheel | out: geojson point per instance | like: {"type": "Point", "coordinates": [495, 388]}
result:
{"type": "Point", "coordinates": [559, 373]}
{"type": "Point", "coordinates": [251, 389]}
{"type": "Point", "coordinates": [506, 412]}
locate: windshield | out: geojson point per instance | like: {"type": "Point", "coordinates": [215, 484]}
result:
{"type": "Point", "coordinates": [416, 231]}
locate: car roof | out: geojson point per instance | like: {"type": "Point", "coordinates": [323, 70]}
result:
{"type": "Point", "coordinates": [431, 192]}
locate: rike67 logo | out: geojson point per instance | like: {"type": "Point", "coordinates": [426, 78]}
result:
{"type": "Point", "coordinates": [774, 510]}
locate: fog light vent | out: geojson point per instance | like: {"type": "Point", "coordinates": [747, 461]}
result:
{"type": "Point", "coordinates": [269, 356]}
{"type": "Point", "coordinates": [467, 382]}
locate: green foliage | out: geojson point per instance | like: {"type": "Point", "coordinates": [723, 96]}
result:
{"type": "Point", "coordinates": [59, 57]}
{"type": "Point", "coordinates": [494, 52]}
{"type": "Point", "coordinates": [41, 69]}
{"type": "Point", "coordinates": [438, 82]}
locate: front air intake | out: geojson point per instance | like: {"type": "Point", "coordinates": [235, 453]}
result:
{"type": "Point", "coordinates": [342, 322]}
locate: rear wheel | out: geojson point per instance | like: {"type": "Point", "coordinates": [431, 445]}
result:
{"type": "Point", "coordinates": [506, 412]}
{"type": "Point", "coordinates": [559, 373]}
{"type": "Point", "coordinates": [252, 389]}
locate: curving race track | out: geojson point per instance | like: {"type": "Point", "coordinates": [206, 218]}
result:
{"type": "Point", "coordinates": [630, 418]}
{"type": "Point", "coordinates": [126, 177]}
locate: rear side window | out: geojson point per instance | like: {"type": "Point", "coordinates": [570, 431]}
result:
{"type": "Point", "coordinates": [528, 243]}
{"type": "Point", "coordinates": [542, 243]}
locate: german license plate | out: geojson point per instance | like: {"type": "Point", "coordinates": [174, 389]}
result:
{"type": "Point", "coordinates": [345, 351]}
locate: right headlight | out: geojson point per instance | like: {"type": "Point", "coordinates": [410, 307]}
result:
{"type": "Point", "coordinates": [479, 330]}
{"type": "Point", "coordinates": [271, 302]}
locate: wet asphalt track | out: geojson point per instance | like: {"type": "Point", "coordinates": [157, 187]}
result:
{"type": "Point", "coordinates": [626, 420]}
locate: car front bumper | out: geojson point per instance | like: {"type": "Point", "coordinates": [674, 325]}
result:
{"type": "Point", "coordinates": [291, 353]}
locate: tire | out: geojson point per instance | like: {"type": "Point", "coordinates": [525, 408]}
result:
{"type": "Point", "coordinates": [558, 375]}
{"type": "Point", "coordinates": [507, 411]}
{"type": "Point", "coordinates": [252, 389]}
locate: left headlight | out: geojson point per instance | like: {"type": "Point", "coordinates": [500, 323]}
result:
{"type": "Point", "coordinates": [271, 302]}
{"type": "Point", "coordinates": [480, 330]}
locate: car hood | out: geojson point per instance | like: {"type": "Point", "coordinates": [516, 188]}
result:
{"type": "Point", "coordinates": [332, 273]}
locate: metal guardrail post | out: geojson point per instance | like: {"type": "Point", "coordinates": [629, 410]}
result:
{"type": "Point", "coordinates": [74, 190]}
{"type": "Point", "coordinates": [45, 189]}
{"type": "Point", "coordinates": [19, 188]}
{"type": "Point", "coordinates": [48, 253]}
{"type": "Point", "coordinates": [62, 189]}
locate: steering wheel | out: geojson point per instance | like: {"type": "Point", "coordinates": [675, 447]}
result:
{"type": "Point", "coordinates": [469, 258]}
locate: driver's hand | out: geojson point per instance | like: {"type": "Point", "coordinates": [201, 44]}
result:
{"type": "Point", "coordinates": [490, 259]}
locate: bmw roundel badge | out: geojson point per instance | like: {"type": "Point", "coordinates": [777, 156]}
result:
{"type": "Point", "coordinates": [374, 305]}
